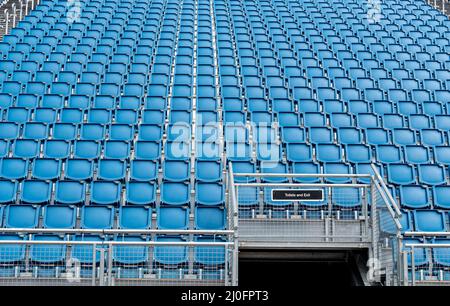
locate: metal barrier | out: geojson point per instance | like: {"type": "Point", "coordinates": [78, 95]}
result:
{"type": "Point", "coordinates": [426, 263]}
{"type": "Point", "coordinates": [385, 263]}
{"type": "Point", "coordinates": [14, 11]}
{"type": "Point", "coordinates": [441, 5]}
{"type": "Point", "coordinates": [117, 257]}
{"type": "Point", "coordinates": [341, 217]}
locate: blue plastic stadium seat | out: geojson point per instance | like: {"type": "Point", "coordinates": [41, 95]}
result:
{"type": "Point", "coordinates": [432, 174]}
{"type": "Point", "coordinates": [135, 217]}
{"type": "Point", "coordinates": [298, 152]}
{"type": "Point", "coordinates": [421, 257]}
{"type": "Point", "coordinates": [11, 253]}
{"type": "Point", "coordinates": [328, 153]}
{"type": "Point", "coordinates": [442, 154]}
{"type": "Point", "coordinates": [105, 193]}
{"type": "Point", "coordinates": [389, 154]}
{"type": "Point", "coordinates": [170, 255]}
{"type": "Point", "coordinates": [208, 171]}
{"type": "Point", "coordinates": [417, 154]}
{"type": "Point", "coordinates": [36, 191]}
{"type": "Point", "coordinates": [414, 196]}
{"type": "Point", "coordinates": [143, 170]}
{"type": "Point", "coordinates": [84, 253]}
{"type": "Point", "coordinates": [172, 217]}
{"type": "Point", "coordinates": [44, 254]}
{"type": "Point", "coordinates": [401, 174]}
{"type": "Point", "coordinates": [346, 197]}
{"type": "Point", "coordinates": [111, 169]}
{"type": "Point", "coordinates": [441, 255]}
{"type": "Point", "coordinates": [209, 218]}
{"type": "Point", "coordinates": [70, 192]}
{"type": "Point", "coordinates": [429, 221]}
{"type": "Point", "coordinates": [130, 254]}
{"type": "Point", "coordinates": [175, 193]}
{"type": "Point", "coordinates": [440, 196]}
{"type": "Point", "coordinates": [79, 169]}
{"type": "Point", "coordinates": [46, 168]}
{"type": "Point", "coordinates": [21, 216]}
{"type": "Point", "coordinates": [13, 168]}
{"type": "Point", "coordinates": [209, 255]}
{"type": "Point", "coordinates": [140, 193]}
{"type": "Point", "coordinates": [86, 149]}
{"type": "Point", "coordinates": [97, 217]}
{"type": "Point", "coordinates": [209, 193]}
{"type": "Point", "coordinates": [337, 168]}
{"type": "Point", "coordinates": [25, 148]}
{"type": "Point", "coordinates": [56, 149]}
{"type": "Point", "coordinates": [357, 153]}
{"type": "Point", "coordinates": [59, 216]}
{"type": "Point", "coordinates": [175, 170]}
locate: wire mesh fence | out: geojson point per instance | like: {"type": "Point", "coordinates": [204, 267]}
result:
{"type": "Point", "coordinates": [125, 260]}
{"type": "Point", "coordinates": [276, 208]}
{"type": "Point", "coordinates": [426, 263]}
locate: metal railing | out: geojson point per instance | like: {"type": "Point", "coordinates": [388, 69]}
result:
{"type": "Point", "coordinates": [385, 264]}
{"type": "Point", "coordinates": [342, 218]}
{"type": "Point", "coordinates": [426, 263]}
{"type": "Point", "coordinates": [441, 5]}
{"type": "Point", "coordinates": [117, 257]}
{"type": "Point", "coordinates": [398, 260]}
{"type": "Point", "coordinates": [13, 11]}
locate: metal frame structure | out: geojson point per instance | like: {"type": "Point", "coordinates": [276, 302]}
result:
{"type": "Point", "coordinates": [104, 274]}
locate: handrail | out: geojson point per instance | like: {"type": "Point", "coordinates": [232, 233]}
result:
{"type": "Point", "coordinates": [427, 234]}
{"type": "Point", "coordinates": [300, 185]}
{"type": "Point", "coordinates": [386, 191]}
{"type": "Point", "coordinates": [115, 231]}
{"type": "Point", "coordinates": [142, 243]}
{"type": "Point", "coordinates": [241, 174]}
{"type": "Point", "coordinates": [233, 196]}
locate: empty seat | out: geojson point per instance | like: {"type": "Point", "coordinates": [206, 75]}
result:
{"type": "Point", "coordinates": [169, 254]}
{"type": "Point", "coordinates": [21, 216]}
{"type": "Point", "coordinates": [432, 174]}
{"type": "Point", "coordinates": [130, 254]}
{"type": "Point", "coordinates": [135, 217]}
{"type": "Point", "coordinates": [442, 154]}
{"type": "Point", "coordinates": [440, 196]}
{"type": "Point", "coordinates": [357, 153]}
{"type": "Point", "coordinates": [273, 167]}
{"type": "Point", "coordinates": [79, 169]}
{"type": "Point", "coordinates": [337, 168]}
{"type": "Point", "coordinates": [44, 254]}
{"type": "Point", "coordinates": [111, 169]}
{"type": "Point", "coordinates": [140, 193]}
{"type": "Point", "coordinates": [97, 217]}
{"type": "Point", "coordinates": [389, 154]}
{"type": "Point", "coordinates": [298, 152]}
{"type": "Point", "coordinates": [429, 221]}
{"type": "Point", "coordinates": [328, 153]}
{"type": "Point", "coordinates": [172, 218]}
{"type": "Point", "coordinates": [209, 193]}
{"type": "Point", "coordinates": [414, 196]}
{"type": "Point", "coordinates": [175, 193]}
{"type": "Point", "coordinates": [35, 191]}
{"type": "Point", "coordinates": [143, 170]}
{"type": "Point", "coordinates": [13, 168]}
{"type": "Point", "coordinates": [70, 192]}
{"type": "Point", "coordinates": [346, 197]}
{"type": "Point", "coordinates": [401, 174]}
{"type": "Point", "coordinates": [177, 171]}
{"type": "Point", "coordinates": [208, 171]}
{"type": "Point", "coordinates": [209, 218]}
{"type": "Point", "coordinates": [105, 193]}
{"type": "Point", "coordinates": [59, 216]}
{"type": "Point", "coordinates": [46, 168]}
